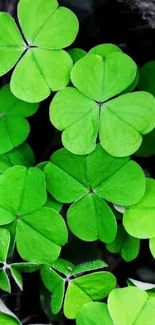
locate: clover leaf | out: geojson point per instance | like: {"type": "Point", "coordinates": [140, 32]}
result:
{"type": "Point", "coordinates": [89, 181]}
{"type": "Point", "coordinates": [94, 313]}
{"type": "Point", "coordinates": [15, 268]}
{"type": "Point", "coordinates": [130, 306]}
{"type": "Point", "coordinates": [85, 110]}
{"type": "Point", "coordinates": [76, 54]}
{"type": "Point", "coordinates": [80, 290]}
{"type": "Point", "coordinates": [126, 245]}
{"type": "Point", "coordinates": [47, 29]}
{"type": "Point", "coordinates": [14, 128]}
{"type": "Point", "coordinates": [22, 155]}
{"type": "Point", "coordinates": [22, 197]}
{"type": "Point", "coordinates": [7, 317]}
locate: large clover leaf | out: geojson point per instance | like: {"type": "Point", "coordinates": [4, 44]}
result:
{"type": "Point", "coordinates": [22, 196]}
{"type": "Point", "coordinates": [44, 66]}
{"type": "Point", "coordinates": [85, 111]}
{"type": "Point", "coordinates": [80, 290]}
{"type": "Point", "coordinates": [131, 306]}
{"type": "Point", "coordinates": [89, 181]}
{"type": "Point", "coordinates": [14, 128]}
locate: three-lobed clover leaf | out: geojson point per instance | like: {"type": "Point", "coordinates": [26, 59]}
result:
{"type": "Point", "coordinates": [40, 231]}
{"type": "Point", "coordinates": [14, 128]}
{"type": "Point", "coordinates": [94, 313]}
{"type": "Point", "coordinates": [130, 306]}
{"type": "Point", "coordinates": [88, 181]}
{"type": "Point", "coordinates": [15, 269]}
{"type": "Point", "coordinates": [43, 66]}
{"type": "Point", "coordinates": [80, 290]}
{"type": "Point", "coordinates": [22, 155]}
{"type": "Point", "coordinates": [85, 110]}
{"type": "Point", "coordinates": [126, 245]}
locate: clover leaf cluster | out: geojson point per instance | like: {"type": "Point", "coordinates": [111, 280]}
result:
{"type": "Point", "coordinates": [91, 188]}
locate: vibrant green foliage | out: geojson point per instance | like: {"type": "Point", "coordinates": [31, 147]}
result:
{"type": "Point", "coordinates": [89, 180]}
{"type": "Point", "coordinates": [94, 313]}
{"type": "Point", "coordinates": [131, 306]}
{"type": "Point", "coordinates": [14, 128]}
{"type": "Point", "coordinates": [7, 317]}
{"type": "Point", "coordinates": [47, 30]}
{"type": "Point", "coordinates": [36, 226]}
{"type": "Point", "coordinates": [80, 290]}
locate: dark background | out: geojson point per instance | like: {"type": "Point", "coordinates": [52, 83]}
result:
{"type": "Point", "coordinates": [131, 25]}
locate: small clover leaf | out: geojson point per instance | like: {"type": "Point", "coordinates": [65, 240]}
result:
{"type": "Point", "coordinates": [94, 313]}
{"type": "Point", "coordinates": [85, 111]}
{"type": "Point", "coordinates": [105, 49]}
{"type": "Point", "coordinates": [136, 306]}
{"type": "Point", "coordinates": [36, 226]}
{"type": "Point", "coordinates": [48, 29]}
{"type": "Point", "coordinates": [22, 155]}
{"type": "Point", "coordinates": [126, 245]}
{"type": "Point", "coordinates": [81, 290]}
{"type": "Point", "coordinates": [14, 128]}
{"type": "Point", "coordinates": [89, 181]}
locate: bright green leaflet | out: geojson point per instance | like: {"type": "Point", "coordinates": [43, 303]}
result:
{"type": "Point", "coordinates": [48, 29]}
{"type": "Point", "coordinates": [147, 147]}
{"type": "Point", "coordinates": [148, 287]}
{"type": "Point", "coordinates": [146, 78]}
{"type": "Point", "coordinates": [76, 54]}
{"type": "Point", "coordinates": [105, 49]}
{"type": "Point", "coordinates": [7, 317]}
{"type": "Point", "coordinates": [68, 268]}
{"type": "Point", "coordinates": [36, 227]}
{"type": "Point", "coordinates": [94, 313]}
{"type": "Point", "coordinates": [89, 180]}
{"type": "Point", "coordinates": [131, 306]}
{"type": "Point", "coordinates": [91, 287]}
{"type": "Point", "coordinates": [83, 113]}
{"type": "Point", "coordinates": [22, 155]}
{"type": "Point", "coordinates": [124, 244]}
{"type": "Point", "coordinates": [139, 219]}
{"type": "Point", "coordinates": [62, 266]}
{"type": "Point", "coordinates": [14, 128]}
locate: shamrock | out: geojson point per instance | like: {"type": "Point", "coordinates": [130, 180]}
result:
{"type": "Point", "coordinates": [14, 128]}
{"type": "Point", "coordinates": [42, 64]}
{"type": "Point", "coordinates": [130, 306]}
{"type": "Point", "coordinates": [15, 268]}
{"type": "Point", "coordinates": [88, 181]}
{"type": "Point", "coordinates": [85, 110]}
{"type": "Point", "coordinates": [22, 155]}
{"type": "Point", "coordinates": [80, 290]}
{"type": "Point", "coordinates": [22, 199]}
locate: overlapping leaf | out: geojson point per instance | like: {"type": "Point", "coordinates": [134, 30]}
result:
{"type": "Point", "coordinates": [94, 313]}
{"type": "Point", "coordinates": [83, 112]}
{"type": "Point", "coordinates": [89, 180]}
{"type": "Point", "coordinates": [22, 197]}
{"type": "Point", "coordinates": [48, 29]}
{"type": "Point", "coordinates": [7, 317]}
{"type": "Point", "coordinates": [14, 128]}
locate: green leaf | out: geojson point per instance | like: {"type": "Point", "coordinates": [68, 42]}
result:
{"type": "Point", "coordinates": [16, 274]}
{"type": "Point", "coordinates": [146, 78]}
{"type": "Point", "coordinates": [63, 266]}
{"type": "Point", "coordinates": [90, 218]}
{"type": "Point", "coordinates": [11, 43]}
{"type": "Point", "coordinates": [136, 307]}
{"type": "Point", "coordinates": [139, 219]}
{"type": "Point", "coordinates": [105, 79]}
{"type": "Point", "coordinates": [57, 298]}
{"type": "Point", "coordinates": [38, 81]}
{"type": "Point", "coordinates": [22, 155]}
{"type": "Point", "coordinates": [89, 266]}
{"type": "Point", "coordinates": [50, 278]}
{"type": "Point", "coordinates": [40, 230]}
{"type": "Point", "coordinates": [123, 120]}
{"type": "Point", "coordinates": [11, 227]}
{"type": "Point", "coordinates": [46, 25]}
{"type": "Point", "coordinates": [76, 54]}
{"type": "Point", "coordinates": [124, 244]}
{"type": "Point", "coordinates": [94, 313]}
{"type": "Point", "coordinates": [147, 147]}
{"type": "Point", "coordinates": [7, 317]}
{"type": "Point", "coordinates": [4, 281]}
{"type": "Point", "coordinates": [95, 286]}
{"type": "Point", "coordinates": [4, 244]}
{"type": "Point", "coordinates": [105, 49]}
{"type": "Point", "coordinates": [22, 190]}
{"type": "Point", "coordinates": [25, 267]}
{"type": "Point", "coordinates": [52, 203]}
